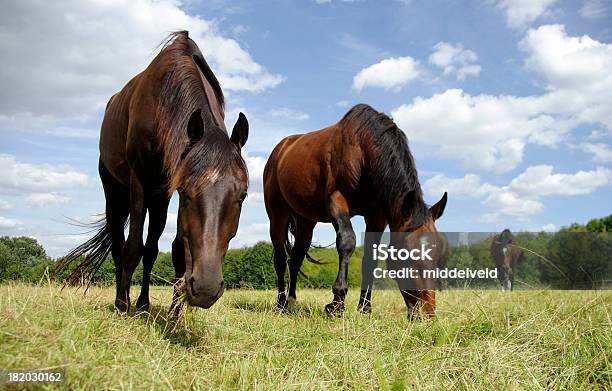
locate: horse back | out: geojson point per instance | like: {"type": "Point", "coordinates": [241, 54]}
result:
{"type": "Point", "coordinates": [114, 130]}
{"type": "Point", "coordinates": [306, 169]}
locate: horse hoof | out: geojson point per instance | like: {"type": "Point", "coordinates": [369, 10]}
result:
{"type": "Point", "coordinates": [365, 309]}
{"type": "Point", "coordinates": [334, 308]}
{"type": "Point", "coordinates": [291, 302]}
{"type": "Point", "coordinates": [143, 305]}
{"type": "Point", "coordinates": [121, 307]}
{"type": "Point", "coordinates": [281, 302]}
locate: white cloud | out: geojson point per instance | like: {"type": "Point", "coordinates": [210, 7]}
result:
{"type": "Point", "coordinates": [454, 59]}
{"type": "Point", "coordinates": [601, 152]}
{"type": "Point", "coordinates": [484, 132]}
{"type": "Point", "coordinates": [548, 228]}
{"type": "Point", "coordinates": [251, 234]}
{"type": "Point", "coordinates": [255, 165]}
{"type": "Point", "coordinates": [599, 134]}
{"type": "Point", "coordinates": [5, 205]}
{"type": "Point", "coordinates": [521, 198]}
{"type": "Point", "coordinates": [42, 199]}
{"type": "Point", "coordinates": [507, 203]}
{"type": "Point", "coordinates": [468, 70]}
{"type": "Point", "coordinates": [255, 198]}
{"type": "Point", "coordinates": [80, 53]}
{"type": "Point", "coordinates": [468, 186]}
{"type": "Point", "coordinates": [594, 9]}
{"type": "Point", "coordinates": [342, 103]}
{"type": "Point", "coordinates": [520, 13]}
{"type": "Point", "coordinates": [390, 74]}
{"type": "Point", "coordinates": [489, 132]}
{"type": "Point", "coordinates": [19, 178]}
{"type": "Point", "coordinates": [538, 181]}
{"type": "Point", "coordinates": [289, 114]}
{"type": "Point", "coordinates": [575, 63]}
{"type": "Point", "coordinates": [6, 223]}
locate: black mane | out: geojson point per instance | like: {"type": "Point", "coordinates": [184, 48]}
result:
{"type": "Point", "coordinates": [190, 48]}
{"type": "Point", "coordinates": [391, 167]}
{"type": "Point", "coordinates": [181, 97]}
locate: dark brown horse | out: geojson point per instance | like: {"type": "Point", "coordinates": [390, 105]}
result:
{"type": "Point", "coordinates": [507, 255]}
{"type": "Point", "coordinates": [359, 166]}
{"type": "Point", "coordinates": [163, 132]}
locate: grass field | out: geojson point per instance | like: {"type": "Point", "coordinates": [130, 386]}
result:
{"type": "Point", "coordinates": [481, 340]}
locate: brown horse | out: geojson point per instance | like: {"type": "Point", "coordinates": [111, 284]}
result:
{"type": "Point", "coordinates": [507, 255]}
{"type": "Point", "coordinates": [360, 166]}
{"type": "Point", "coordinates": [163, 132]}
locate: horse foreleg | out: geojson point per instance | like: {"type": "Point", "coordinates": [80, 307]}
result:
{"type": "Point", "coordinates": [133, 247]}
{"type": "Point", "coordinates": [158, 211]}
{"type": "Point", "coordinates": [345, 244]}
{"type": "Point", "coordinates": [278, 235]}
{"type": "Point", "coordinates": [374, 226]}
{"type": "Point", "coordinates": [178, 261]}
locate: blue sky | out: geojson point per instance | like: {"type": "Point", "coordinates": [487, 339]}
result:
{"type": "Point", "coordinates": [505, 103]}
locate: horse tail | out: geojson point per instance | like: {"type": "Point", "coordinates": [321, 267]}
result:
{"type": "Point", "coordinates": [291, 229]}
{"type": "Point", "coordinates": [93, 253]}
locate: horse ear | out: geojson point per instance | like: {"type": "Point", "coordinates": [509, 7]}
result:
{"type": "Point", "coordinates": [195, 127]}
{"type": "Point", "coordinates": [240, 133]}
{"type": "Point", "coordinates": [438, 209]}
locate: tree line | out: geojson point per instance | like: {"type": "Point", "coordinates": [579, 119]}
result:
{"type": "Point", "coordinates": [575, 257]}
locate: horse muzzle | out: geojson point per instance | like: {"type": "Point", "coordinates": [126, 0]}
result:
{"type": "Point", "coordinates": [203, 293]}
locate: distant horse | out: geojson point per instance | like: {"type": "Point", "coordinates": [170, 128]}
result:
{"type": "Point", "coordinates": [360, 166]}
{"type": "Point", "coordinates": [163, 132]}
{"type": "Point", "coordinates": [507, 255]}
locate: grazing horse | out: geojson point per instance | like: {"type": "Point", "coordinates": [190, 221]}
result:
{"type": "Point", "coordinates": [359, 166]}
{"type": "Point", "coordinates": [164, 132]}
{"type": "Point", "coordinates": [507, 255]}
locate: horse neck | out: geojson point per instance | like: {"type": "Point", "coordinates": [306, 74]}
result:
{"type": "Point", "coordinates": [391, 187]}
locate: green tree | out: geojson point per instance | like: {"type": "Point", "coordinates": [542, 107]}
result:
{"type": "Point", "coordinates": [18, 255]}
{"type": "Point", "coordinates": [579, 260]}
{"type": "Point", "coordinates": [250, 267]}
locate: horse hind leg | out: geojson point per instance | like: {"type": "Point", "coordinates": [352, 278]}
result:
{"type": "Point", "coordinates": [117, 209]}
{"type": "Point", "coordinates": [278, 235]}
{"type": "Point", "coordinates": [158, 211]}
{"type": "Point", "coordinates": [301, 244]}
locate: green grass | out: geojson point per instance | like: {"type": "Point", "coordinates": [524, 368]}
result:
{"type": "Point", "coordinates": [480, 340]}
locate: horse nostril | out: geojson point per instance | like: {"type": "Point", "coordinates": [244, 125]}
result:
{"type": "Point", "coordinates": [191, 282]}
